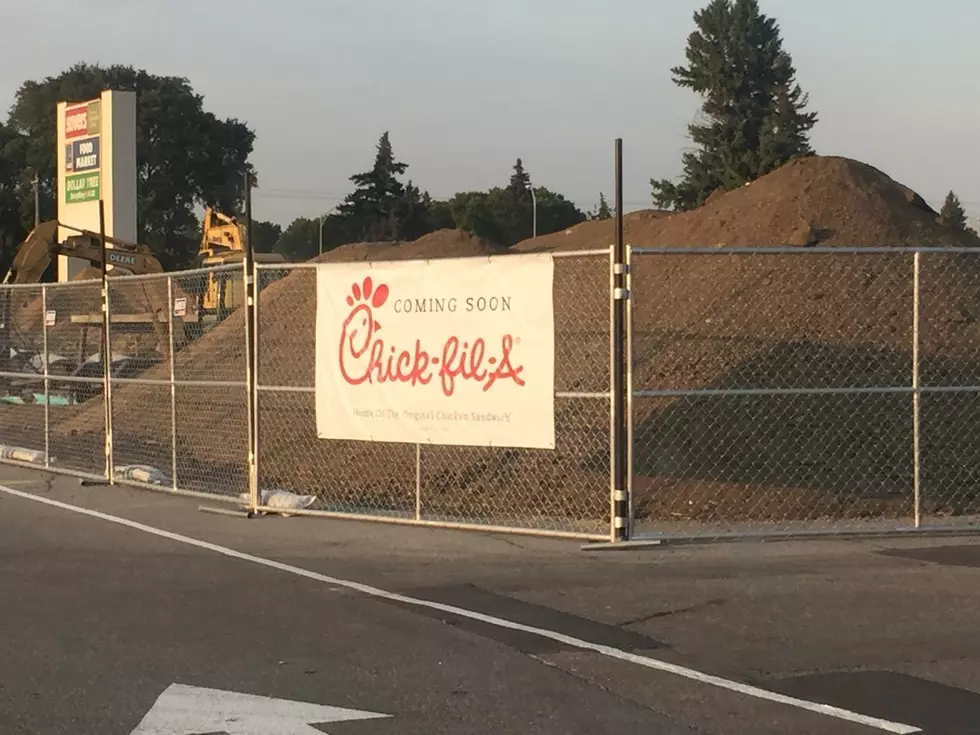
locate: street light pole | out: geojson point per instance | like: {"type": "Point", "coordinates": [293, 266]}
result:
{"type": "Point", "coordinates": [36, 182]}
{"type": "Point", "coordinates": [534, 207]}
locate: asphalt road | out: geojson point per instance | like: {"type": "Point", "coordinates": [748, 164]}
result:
{"type": "Point", "coordinates": [99, 619]}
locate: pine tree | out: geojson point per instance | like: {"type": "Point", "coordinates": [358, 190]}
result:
{"type": "Point", "coordinates": [520, 181]}
{"type": "Point", "coordinates": [372, 210]}
{"type": "Point", "coordinates": [753, 106]}
{"type": "Point", "coordinates": [602, 211]}
{"type": "Point", "coordinates": [952, 215]}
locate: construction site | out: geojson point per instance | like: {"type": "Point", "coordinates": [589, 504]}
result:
{"type": "Point", "coordinates": [810, 387]}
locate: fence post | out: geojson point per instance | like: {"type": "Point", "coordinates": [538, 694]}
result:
{"type": "Point", "coordinates": [256, 427]}
{"type": "Point", "coordinates": [418, 482]}
{"type": "Point", "coordinates": [251, 363]}
{"type": "Point", "coordinates": [629, 386]}
{"type": "Point", "coordinates": [916, 488]}
{"type": "Point", "coordinates": [173, 384]}
{"type": "Point", "coordinates": [106, 352]}
{"type": "Point", "coordinates": [620, 299]}
{"type": "Point", "coordinates": [47, 380]}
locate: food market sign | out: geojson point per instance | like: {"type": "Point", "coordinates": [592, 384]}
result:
{"type": "Point", "coordinates": [82, 155]}
{"type": "Point", "coordinates": [450, 352]}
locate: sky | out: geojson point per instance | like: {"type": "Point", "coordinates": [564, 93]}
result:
{"type": "Point", "coordinates": [466, 87]}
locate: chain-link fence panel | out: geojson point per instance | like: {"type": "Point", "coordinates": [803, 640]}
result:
{"type": "Point", "coordinates": [565, 490]}
{"type": "Point", "coordinates": [211, 381]}
{"type": "Point", "coordinates": [772, 390]}
{"type": "Point", "coordinates": [179, 383]}
{"type": "Point", "coordinates": [140, 327]}
{"type": "Point", "coordinates": [76, 405]}
{"type": "Point", "coordinates": [949, 370]}
{"type": "Point", "coordinates": [22, 387]}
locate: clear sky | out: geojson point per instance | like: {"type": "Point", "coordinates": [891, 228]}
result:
{"type": "Point", "coordinates": [466, 87]}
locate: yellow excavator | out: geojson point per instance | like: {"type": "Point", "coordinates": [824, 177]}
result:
{"type": "Point", "coordinates": [223, 243]}
{"type": "Point", "coordinates": [42, 245]}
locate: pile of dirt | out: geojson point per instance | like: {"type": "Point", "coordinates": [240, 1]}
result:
{"type": "Point", "coordinates": [439, 244]}
{"type": "Point", "coordinates": [807, 320]}
{"type": "Point", "coordinates": [825, 200]}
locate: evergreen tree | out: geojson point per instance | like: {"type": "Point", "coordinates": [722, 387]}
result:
{"type": "Point", "coordinates": [753, 106]}
{"type": "Point", "coordinates": [602, 211]}
{"type": "Point", "coordinates": [520, 182]}
{"type": "Point", "coordinates": [372, 210]}
{"type": "Point", "coordinates": [952, 215]}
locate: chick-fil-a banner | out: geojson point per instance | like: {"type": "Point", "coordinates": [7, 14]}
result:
{"type": "Point", "coordinates": [450, 351]}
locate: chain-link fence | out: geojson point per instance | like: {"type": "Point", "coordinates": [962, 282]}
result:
{"type": "Point", "coordinates": [49, 378]}
{"type": "Point", "coordinates": [565, 491]}
{"type": "Point", "coordinates": [175, 414]}
{"type": "Point", "coordinates": [804, 390]}
{"type": "Point", "coordinates": [179, 383]}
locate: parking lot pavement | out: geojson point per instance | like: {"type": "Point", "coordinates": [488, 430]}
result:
{"type": "Point", "coordinates": [127, 611]}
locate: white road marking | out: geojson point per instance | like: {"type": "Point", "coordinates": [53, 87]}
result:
{"type": "Point", "coordinates": [609, 651]}
{"type": "Point", "coordinates": [185, 710]}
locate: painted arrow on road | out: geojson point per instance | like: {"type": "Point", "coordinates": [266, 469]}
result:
{"type": "Point", "coordinates": [187, 710]}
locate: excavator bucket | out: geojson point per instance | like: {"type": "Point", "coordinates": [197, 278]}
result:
{"type": "Point", "coordinates": [34, 255]}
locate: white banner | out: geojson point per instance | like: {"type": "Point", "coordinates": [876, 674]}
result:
{"type": "Point", "coordinates": [455, 351]}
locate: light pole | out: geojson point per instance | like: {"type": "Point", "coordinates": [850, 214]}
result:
{"type": "Point", "coordinates": [534, 209]}
{"type": "Point", "coordinates": [36, 183]}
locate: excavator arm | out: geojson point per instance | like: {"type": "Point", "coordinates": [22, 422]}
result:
{"type": "Point", "coordinates": [41, 245]}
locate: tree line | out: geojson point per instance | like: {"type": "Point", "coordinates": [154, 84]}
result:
{"type": "Point", "coordinates": [383, 208]}
{"type": "Point", "coordinates": [753, 119]}
{"type": "Point", "coordinates": [189, 159]}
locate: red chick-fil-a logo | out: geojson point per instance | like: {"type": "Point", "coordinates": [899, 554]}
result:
{"type": "Point", "coordinates": [366, 358]}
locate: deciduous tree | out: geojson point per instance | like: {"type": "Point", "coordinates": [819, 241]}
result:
{"type": "Point", "coordinates": [187, 157]}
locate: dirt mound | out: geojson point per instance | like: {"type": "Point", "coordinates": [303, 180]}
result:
{"type": "Point", "coordinates": [808, 320]}
{"type": "Point", "coordinates": [822, 199]}
{"type": "Point", "coordinates": [438, 244]}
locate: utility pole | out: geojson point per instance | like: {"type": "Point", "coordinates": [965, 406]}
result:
{"type": "Point", "coordinates": [36, 183]}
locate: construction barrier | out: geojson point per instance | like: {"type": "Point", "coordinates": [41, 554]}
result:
{"type": "Point", "coordinates": [770, 392]}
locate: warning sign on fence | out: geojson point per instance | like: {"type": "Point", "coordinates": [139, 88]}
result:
{"type": "Point", "coordinates": [455, 352]}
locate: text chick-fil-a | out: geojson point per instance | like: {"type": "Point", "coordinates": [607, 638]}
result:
{"type": "Point", "coordinates": [364, 357]}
